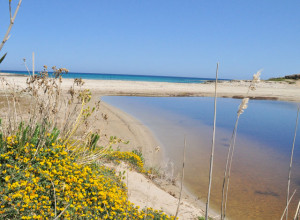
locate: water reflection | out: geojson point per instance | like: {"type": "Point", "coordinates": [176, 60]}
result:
{"type": "Point", "coordinates": [261, 160]}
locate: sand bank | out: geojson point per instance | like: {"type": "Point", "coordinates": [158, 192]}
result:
{"type": "Point", "coordinates": [228, 89]}
{"type": "Point", "coordinates": [127, 128]}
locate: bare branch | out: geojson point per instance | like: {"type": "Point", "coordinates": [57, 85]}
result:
{"type": "Point", "coordinates": [12, 20]}
{"type": "Point", "coordinates": [10, 11]}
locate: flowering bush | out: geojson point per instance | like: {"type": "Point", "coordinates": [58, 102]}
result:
{"type": "Point", "coordinates": [130, 157]}
{"type": "Point", "coordinates": [43, 181]}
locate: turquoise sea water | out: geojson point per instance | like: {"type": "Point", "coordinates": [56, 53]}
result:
{"type": "Point", "coordinates": [263, 147]}
{"type": "Point", "coordinates": [106, 76]}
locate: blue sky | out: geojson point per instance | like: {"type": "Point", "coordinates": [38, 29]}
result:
{"type": "Point", "coordinates": [156, 37]}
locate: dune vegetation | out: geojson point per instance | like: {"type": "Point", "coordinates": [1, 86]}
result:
{"type": "Point", "coordinates": [49, 168]}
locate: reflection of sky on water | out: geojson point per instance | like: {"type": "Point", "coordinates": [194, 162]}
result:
{"type": "Point", "coordinates": [263, 147]}
{"type": "Point", "coordinates": [270, 122]}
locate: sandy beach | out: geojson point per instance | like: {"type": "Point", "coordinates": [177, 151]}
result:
{"type": "Point", "coordinates": [142, 191]}
{"type": "Point", "coordinates": [268, 90]}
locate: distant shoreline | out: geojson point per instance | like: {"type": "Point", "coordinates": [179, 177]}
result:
{"type": "Point", "coordinates": [125, 77]}
{"type": "Point", "coordinates": [3, 74]}
{"type": "Point", "coordinates": [266, 90]}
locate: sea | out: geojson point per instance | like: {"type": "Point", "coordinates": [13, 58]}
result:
{"type": "Point", "coordinates": [124, 77]}
{"type": "Point", "coordinates": [261, 160]}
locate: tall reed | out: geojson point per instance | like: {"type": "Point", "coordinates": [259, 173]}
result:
{"type": "Point", "coordinates": [212, 147]}
{"type": "Point", "coordinates": [182, 178]}
{"type": "Point", "coordinates": [227, 171]}
{"type": "Point", "coordinates": [290, 167]}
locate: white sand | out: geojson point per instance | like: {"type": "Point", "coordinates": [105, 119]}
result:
{"type": "Point", "coordinates": [230, 89]}
{"type": "Point", "coordinates": [142, 192]}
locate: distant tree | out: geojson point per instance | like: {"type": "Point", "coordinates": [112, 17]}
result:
{"type": "Point", "coordinates": [12, 20]}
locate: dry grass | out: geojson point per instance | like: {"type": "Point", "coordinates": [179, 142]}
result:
{"type": "Point", "coordinates": [43, 103]}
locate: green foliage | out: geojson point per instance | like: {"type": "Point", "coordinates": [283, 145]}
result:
{"type": "Point", "coordinates": [93, 141]}
{"type": "Point", "coordinates": [279, 79]}
{"type": "Point", "coordinates": [139, 153]}
{"type": "Point", "coordinates": [130, 157]}
{"type": "Point", "coordinates": [2, 58]}
{"type": "Point", "coordinates": [203, 218]}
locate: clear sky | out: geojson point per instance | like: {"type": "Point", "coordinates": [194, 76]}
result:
{"type": "Point", "coordinates": [156, 37]}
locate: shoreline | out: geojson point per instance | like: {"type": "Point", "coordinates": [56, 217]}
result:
{"type": "Point", "coordinates": [266, 90]}
{"type": "Point", "coordinates": [166, 193]}
{"type": "Point", "coordinates": [128, 128]}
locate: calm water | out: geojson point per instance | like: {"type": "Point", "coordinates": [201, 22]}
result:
{"type": "Point", "coordinates": [261, 160]}
{"type": "Point", "coordinates": [125, 77]}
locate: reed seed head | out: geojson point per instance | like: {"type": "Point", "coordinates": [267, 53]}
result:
{"type": "Point", "coordinates": [255, 80]}
{"type": "Point", "coordinates": [157, 149]}
{"type": "Point", "coordinates": [243, 106]}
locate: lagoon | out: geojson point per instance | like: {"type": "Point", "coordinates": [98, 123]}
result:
{"type": "Point", "coordinates": [261, 160]}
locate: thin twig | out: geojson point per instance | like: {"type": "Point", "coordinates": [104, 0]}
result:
{"type": "Point", "coordinates": [212, 147]}
{"type": "Point", "coordinates": [10, 17]}
{"type": "Point", "coordinates": [297, 211]}
{"type": "Point", "coordinates": [32, 63]}
{"type": "Point", "coordinates": [62, 212]}
{"type": "Point", "coordinates": [12, 20]}
{"type": "Point", "coordinates": [182, 178]}
{"type": "Point", "coordinates": [54, 198]}
{"type": "Point", "coordinates": [290, 167]}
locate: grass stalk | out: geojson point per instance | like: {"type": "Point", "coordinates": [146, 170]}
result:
{"type": "Point", "coordinates": [227, 171]}
{"type": "Point", "coordinates": [54, 198]}
{"type": "Point", "coordinates": [297, 211]}
{"type": "Point", "coordinates": [212, 147]}
{"type": "Point", "coordinates": [288, 204]}
{"type": "Point", "coordinates": [32, 63]}
{"type": "Point", "coordinates": [290, 167]}
{"type": "Point", "coordinates": [229, 156]}
{"type": "Point", "coordinates": [229, 168]}
{"type": "Point", "coordinates": [182, 178]}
